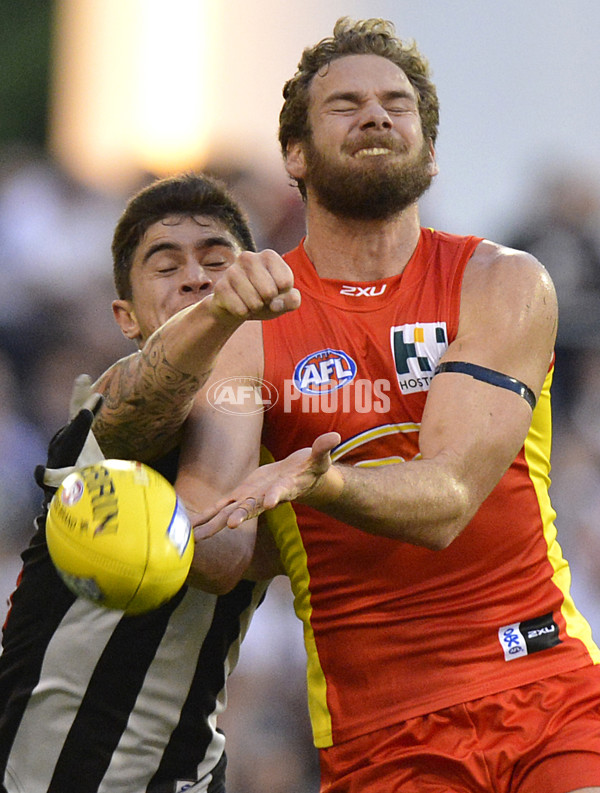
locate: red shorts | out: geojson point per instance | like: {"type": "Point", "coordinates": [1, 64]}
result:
{"type": "Point", "coordinates": [541, 737]}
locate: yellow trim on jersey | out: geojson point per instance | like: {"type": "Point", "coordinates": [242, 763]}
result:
{"type": "Point", "coordinates": [379, 461]}
{"type": "Point", "coordinates": [537, 455]}
{"type": "Point", "coordinates": [371, 434]}
{"type": "Point", "coordinates": [284, 527]}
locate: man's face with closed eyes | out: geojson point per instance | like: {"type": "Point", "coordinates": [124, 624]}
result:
{"type": "Point", "coordinates": [177, 263]}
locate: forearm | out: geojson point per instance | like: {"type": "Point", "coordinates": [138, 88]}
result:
{"type": "Point", "coordinates": [148, 395]}
{"type": "Point", "coordinates": [221, 561]}
{"type": "Point", "coordinates": [419, 502]}
{"type": "Point", "coordinates": [266, 561]}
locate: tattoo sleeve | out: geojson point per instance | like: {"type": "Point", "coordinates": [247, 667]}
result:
{"type": "Point", "coordinates": [146, 402]}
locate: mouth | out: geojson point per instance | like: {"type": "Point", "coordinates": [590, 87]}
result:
{"type": "Point", "coordinates": [373, 151]}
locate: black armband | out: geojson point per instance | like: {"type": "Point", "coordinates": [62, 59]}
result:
{"type": "Point", "coordinates": [490, 376]}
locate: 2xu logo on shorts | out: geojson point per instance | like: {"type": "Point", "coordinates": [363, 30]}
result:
{"type": "Point", "coordinates": [531, 636]}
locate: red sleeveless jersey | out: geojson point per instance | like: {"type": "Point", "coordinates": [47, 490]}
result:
{"type": "Point", "coordinates": [394, 630]}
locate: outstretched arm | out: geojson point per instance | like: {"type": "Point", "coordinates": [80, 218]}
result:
{"type": "Point", "coordinates": [306, 474]}
{"type": "Point", "coordinates": [148, 395]}
{"type": "Point", "coordinates": [471, 430]}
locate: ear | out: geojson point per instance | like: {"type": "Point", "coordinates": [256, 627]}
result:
{"type": "Point", "coordinates": [125, 318]}
{"type": "Point", "coordinates": [433, 166]}
{"type": "Point", "coordinates": [295, 162]}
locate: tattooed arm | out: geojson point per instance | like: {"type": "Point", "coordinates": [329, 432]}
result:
{"type": "Point", "coordinates": [148, 395]}
{"type": "Point", "coordinates": [146, 401]}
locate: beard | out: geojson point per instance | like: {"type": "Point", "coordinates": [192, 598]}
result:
{"type": "Point", "coordinates": [368, 191]}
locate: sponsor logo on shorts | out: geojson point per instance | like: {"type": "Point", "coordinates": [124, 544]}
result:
{"type": "Point", "coordinates": [530, 636]}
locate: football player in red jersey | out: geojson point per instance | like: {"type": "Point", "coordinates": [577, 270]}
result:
{"type": "Point", "coordinates": [445, 652]}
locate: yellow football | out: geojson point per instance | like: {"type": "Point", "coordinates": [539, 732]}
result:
{"type": "Point", "coordinates": [118, 535]}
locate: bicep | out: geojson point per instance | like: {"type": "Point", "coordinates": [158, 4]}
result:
{"type": "Point", "coordinates": [508, 316]}
{"type": "Point", "coordinates": [508, 325]}
{"type": "Point", "coordinates": [221, 442]}
{"type": "Point", "coordinates": [219, 448]}
{"type": "Point", "coordinates": [217, 452]}
{"type": "Point", "coordinates": [475, 429]}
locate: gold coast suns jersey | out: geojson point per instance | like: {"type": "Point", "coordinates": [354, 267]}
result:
{"type": "Point", "coordinates": [394, 630]}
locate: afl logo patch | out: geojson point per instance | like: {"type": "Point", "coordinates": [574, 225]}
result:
{"type": "Point", "coordinates": [324, 371]}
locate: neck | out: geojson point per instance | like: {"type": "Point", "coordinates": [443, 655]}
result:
{"type": "Point", "coordinates": [360, 250]}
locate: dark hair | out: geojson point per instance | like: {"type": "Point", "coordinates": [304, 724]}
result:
{"type": "Point", "coordinates": [185, 195]}
{"type": "Point", "coordinates": [350, 37]}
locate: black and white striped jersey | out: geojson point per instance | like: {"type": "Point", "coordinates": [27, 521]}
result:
{"type": "Point", "coordinates": [94, 701]}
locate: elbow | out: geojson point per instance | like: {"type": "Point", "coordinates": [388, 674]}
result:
{"type": "Point", "coordinates": [458, 511]}
{"type": "Point", "coordinates": [223, 565]}
{"type": "Point", "coordinates": [441, 538]}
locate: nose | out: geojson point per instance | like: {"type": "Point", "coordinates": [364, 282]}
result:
{"type": "Point", "coordinates": [195, 279]}
{"type": "Point", "coordinates": [375, 116]}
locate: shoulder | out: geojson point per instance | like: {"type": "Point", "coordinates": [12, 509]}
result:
{"type": "Point", "coordinates": [493, 262]}
{"type": "Point", "coordinates": [506, 277]}
{"type": "Point", "coordinates": [507, 296]}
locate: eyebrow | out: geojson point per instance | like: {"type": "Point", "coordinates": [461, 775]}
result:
{"type": "Point", "coordinates": [355, 96]}
{"type": "Point", "coordinates": [209, 242]}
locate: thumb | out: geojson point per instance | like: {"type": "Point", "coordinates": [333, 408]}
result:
{"type": "Point", "coordinates": [286, 301]}
{"type": "Point", "coordinates": [82, 396]}
{"type": "Point", "coordinates": [324, 445]}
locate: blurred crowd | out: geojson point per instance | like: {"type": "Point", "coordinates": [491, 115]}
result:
{"type": "Point", "coordinates": [56, 322]}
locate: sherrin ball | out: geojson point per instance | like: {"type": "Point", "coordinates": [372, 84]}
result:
{"type": "Point", "coordinates": [119, 536]}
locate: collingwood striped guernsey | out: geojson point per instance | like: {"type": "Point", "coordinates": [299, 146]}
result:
{"type": "Point", "coordinates": [94, 701]}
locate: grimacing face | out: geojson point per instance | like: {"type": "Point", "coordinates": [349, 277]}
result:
{"type": "Point", "coordinates": [177, 263]}
{"type": "Point", "coordinates": [366, 157]}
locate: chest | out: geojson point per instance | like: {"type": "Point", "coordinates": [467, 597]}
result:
{"type": "Point", "coordinates": [363, 373]}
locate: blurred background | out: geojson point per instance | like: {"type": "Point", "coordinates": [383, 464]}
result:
{"type": "Point", "coordinates": [97, 97]}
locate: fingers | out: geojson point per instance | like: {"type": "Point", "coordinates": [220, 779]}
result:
{"type": "Point", "coordinates": [82, 396]}
{"type": "Point", "coordinates": [271, 484]}
{"type": "Point", "coordinates": [287, 301]}
{"type": "Point", "coordinates": [203, 531]}
{"type": "Point", "coordinates": [199, 517]}
{"type": "Point", "coordinates": [257, 286]}
{"type": "Point", "coordinates": [230, 516]}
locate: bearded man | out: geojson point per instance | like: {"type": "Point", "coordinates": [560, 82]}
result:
{"type": "Point", "coordinates": [445, 652]}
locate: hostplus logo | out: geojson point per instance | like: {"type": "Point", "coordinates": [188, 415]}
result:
{"type": "Point", "coordinates": [417, 350]}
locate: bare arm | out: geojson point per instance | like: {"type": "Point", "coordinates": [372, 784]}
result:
{"type": "Point", "coordinates": [148, 395]}
{"type": "Point", "coordinates": [266, 559]}
{"type": "Point", "coordinates": [471, 431]}
{"type": "Point", "coordinates": [219, 449]}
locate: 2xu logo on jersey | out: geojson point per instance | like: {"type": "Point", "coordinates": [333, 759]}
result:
{"type": "Point", "coordinates": [529, 636]}
{"type": "Point", "coordinates": [352, 290]}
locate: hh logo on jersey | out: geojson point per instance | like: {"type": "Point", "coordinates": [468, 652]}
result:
{"type": "Point", "coordinates": [324, 371]}
{"type": "Point", "coordinates": [417, 350]}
